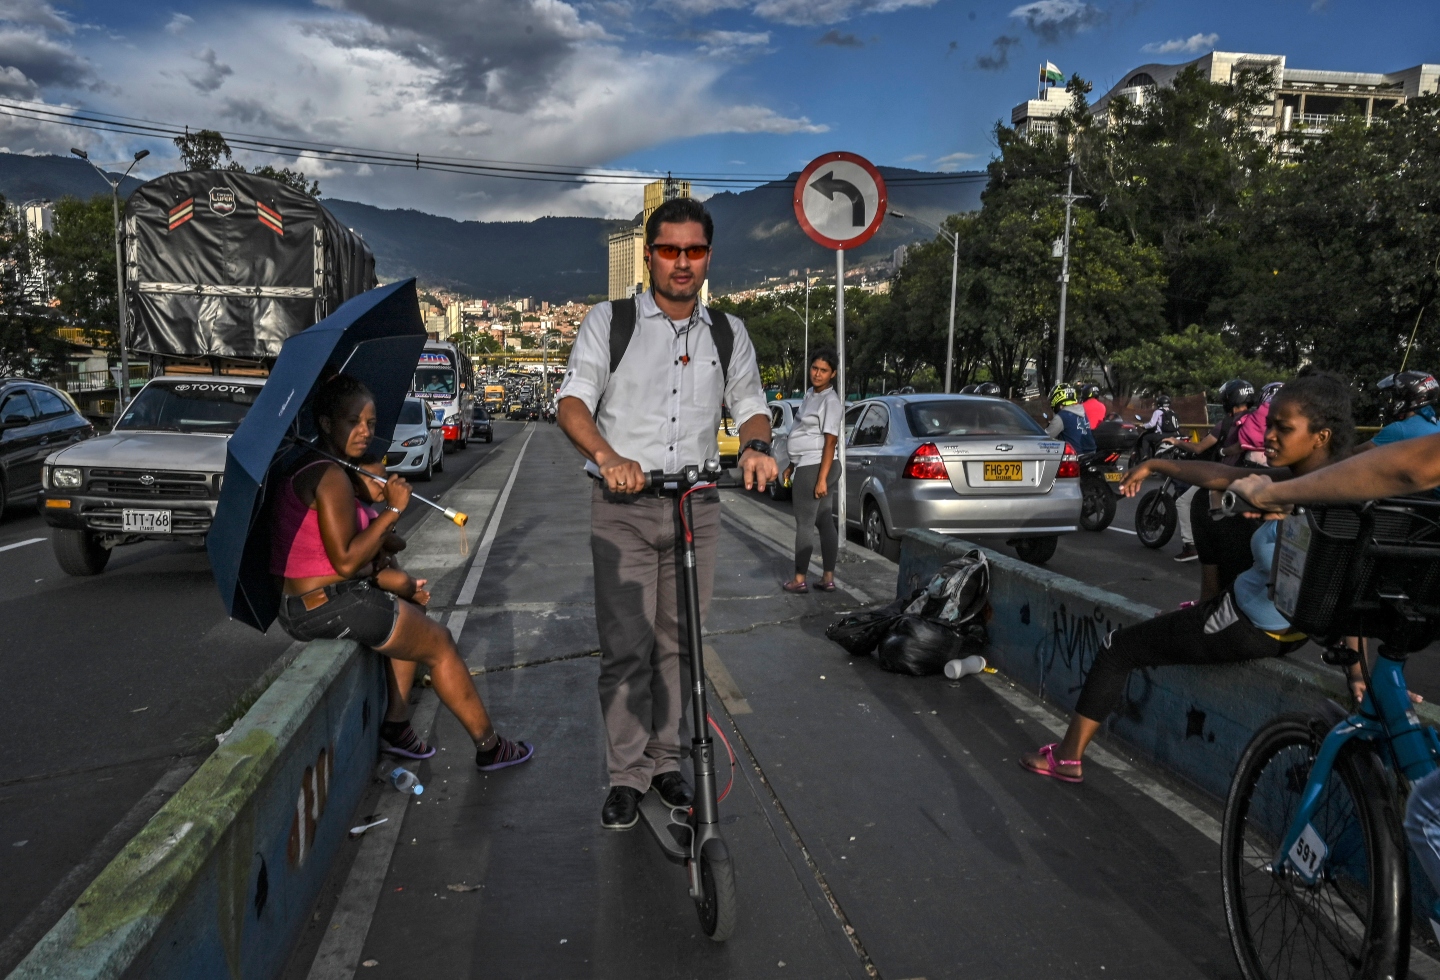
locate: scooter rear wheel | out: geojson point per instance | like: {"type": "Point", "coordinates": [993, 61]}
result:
{"type": "Point", "coordinates": [1097, 508]}
{"type": "Point", "coordinates": [719, 908]}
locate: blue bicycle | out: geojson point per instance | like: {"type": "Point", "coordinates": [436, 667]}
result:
{"type": "Point", "coordinates": [1315, 873]}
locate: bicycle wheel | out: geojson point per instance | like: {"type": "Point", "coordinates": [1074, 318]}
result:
{"type": "Point", "coordinates": [1354, 920]}
{"type": "Point", "coordinates": [719, 908]}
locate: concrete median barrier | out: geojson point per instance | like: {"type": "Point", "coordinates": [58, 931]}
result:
{"type": "Point", "coordinates": [218, 883]}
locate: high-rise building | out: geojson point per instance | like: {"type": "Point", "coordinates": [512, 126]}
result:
{"type": "Point", "coordinates": [39, 217]}
{"type": "Point", "coordinates": [627, 262]}
{"type": "Point", "coordinates": [454, 322]}
{"type": "Point", "coordinates": [628, 272]}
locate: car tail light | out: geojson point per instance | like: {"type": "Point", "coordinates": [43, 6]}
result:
{"type": "Point", "coordinates": [1069, 464]}
{"type": "Point", "coordinates": [926, 463]}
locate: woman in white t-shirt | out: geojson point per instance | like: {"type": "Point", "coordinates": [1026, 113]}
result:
{"type": "Point", "coordinates": [812, 467]}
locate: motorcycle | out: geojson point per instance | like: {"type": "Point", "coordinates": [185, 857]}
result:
{"type": "Point", "coordinates": [1099, 473]}
{"type": "Point", "coordinates": [1158, 511]}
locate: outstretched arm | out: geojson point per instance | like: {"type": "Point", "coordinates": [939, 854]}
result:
{"type": "Point", "coordinates": [1208, 476]}
{"type": "Point", "coordinates": [1388, 471]}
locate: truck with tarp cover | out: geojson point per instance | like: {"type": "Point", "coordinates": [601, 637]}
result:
{"type": "Point", "coordinates": [222, 266]}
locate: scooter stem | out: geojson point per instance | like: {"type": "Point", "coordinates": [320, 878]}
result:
{"type": "Point", "coordinates": [702, 746]}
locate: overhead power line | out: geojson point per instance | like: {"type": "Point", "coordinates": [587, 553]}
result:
{"type": "Point", "coordinates": [503, 169]}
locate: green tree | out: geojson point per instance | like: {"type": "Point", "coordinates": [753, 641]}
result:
{"type": "Point", "coordinates": [1194, 360]}
{"type": "Point", "coordinates": [1344, 248]}
{"type": "Point", "coordinates": [81, 255]}
{"type": "Point", "coordinates": [30, 344]}
{"type": "Point", "coordinates": [204, 149]}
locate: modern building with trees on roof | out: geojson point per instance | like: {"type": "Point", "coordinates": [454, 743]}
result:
{"type": "Point", "coordinates": [1303, 97]}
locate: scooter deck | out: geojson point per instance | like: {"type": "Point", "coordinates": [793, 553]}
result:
{"type": "Point", "coordinates": [673, 837]}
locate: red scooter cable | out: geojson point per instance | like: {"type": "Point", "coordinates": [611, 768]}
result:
{"type": "Point", "coordinates": [728, 749]}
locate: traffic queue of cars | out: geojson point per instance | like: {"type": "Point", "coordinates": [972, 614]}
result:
{"type": "Point", "coordinates": [157, 474]}
{"type": "Point", "coordinates": [956, 464]}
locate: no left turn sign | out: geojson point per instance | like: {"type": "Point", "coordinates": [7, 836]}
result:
{"type": "Point", "coordinates": [840, 200]}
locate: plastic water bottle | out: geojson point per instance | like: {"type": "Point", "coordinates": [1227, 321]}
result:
{"type": "Point", "coordinates": [957, 669]}
{"type": "Point", "coordinates": [405, 781]}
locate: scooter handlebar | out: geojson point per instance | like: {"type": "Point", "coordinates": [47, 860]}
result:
{"type": "Point", "coordinates": [709, 474]}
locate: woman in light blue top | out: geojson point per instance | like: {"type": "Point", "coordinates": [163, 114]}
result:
{"type": "Point", "coordinates": [1309, 426]}
{"type": "Point", "coordinates": [812, 443]}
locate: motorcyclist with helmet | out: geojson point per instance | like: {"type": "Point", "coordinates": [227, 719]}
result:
{"type": "Point", "coordinates": [989, 389]}
{"type": "Point", "coordinates": [968, 389]}
{"type": "Point", "coordinates": [1070, 419]}
{"type": "Point", "coordinates": [1095, 410]}
{"type": "Point", "coordinates": [1407, 407]}
{"type": "Point", "coordinates": [1223, 547]}
{"type": "Point", "coordinates": [1164, 424]}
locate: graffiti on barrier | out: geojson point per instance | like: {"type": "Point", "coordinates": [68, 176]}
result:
{"type": "Point", "coordinates": [1070, 646]}
{"type": "Point", "coordinates": [309, 804]}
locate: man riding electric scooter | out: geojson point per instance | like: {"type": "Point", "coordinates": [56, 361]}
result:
{"type": "Point", "coordinates": [642, 393]}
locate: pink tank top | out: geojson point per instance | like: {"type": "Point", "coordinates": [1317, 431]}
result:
{"type": "Point", "coordinates": [296, 549]}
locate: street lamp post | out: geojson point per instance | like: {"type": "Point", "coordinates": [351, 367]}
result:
{"type": "Point", "coordinates": [545, 363]}
{"type": "Point", "coordinates": [954, 276]}
{"type": "Point", "coordinates": [1070, 198]}
{"type": "Point", "coordinates": [123, 389]}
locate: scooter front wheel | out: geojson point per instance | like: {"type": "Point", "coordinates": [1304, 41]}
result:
{"type": "Point", "coordinates": [719, 906]}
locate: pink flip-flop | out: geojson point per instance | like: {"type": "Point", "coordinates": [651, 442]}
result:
{"type": "Point", "coordinates": [1053, 769]}
{"type": "Point", "coordinates": [795, 587]}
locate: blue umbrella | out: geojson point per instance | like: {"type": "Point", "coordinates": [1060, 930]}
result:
{"type": "Point", "coordinates": [376, 337]}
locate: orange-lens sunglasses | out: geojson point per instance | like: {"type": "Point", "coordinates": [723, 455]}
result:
{"type": "Point", "coordinates": [672, 252]}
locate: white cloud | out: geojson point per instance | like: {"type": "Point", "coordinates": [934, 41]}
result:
{"type": "Point", "coordinates": [211, 74]}
{"type": "Point", "coordinates": [952, 161]}
{"type": "Point", "coordinates": [800, 13]}
{"type": "Point", "coordinates": [1193, 44]}
{"type": "Point", "coordinates": [341, 78]}
{"type": "Point", "coordinates": [178, 23]}
{"type": "Point", "coordinates": [1054, 20]}
{"type": "Point", "coordinates": [727, 43]}
{"type": "Point", "coordinates": [37, 14]}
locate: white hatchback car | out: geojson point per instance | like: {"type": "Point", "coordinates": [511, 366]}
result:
{"type": "Point", "coordinates": [418, 446]}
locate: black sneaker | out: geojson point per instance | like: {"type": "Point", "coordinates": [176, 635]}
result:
{"type": "Point", "coordinates": [673, 789]}
{"type": "Point", "coordinates": [622, 808]}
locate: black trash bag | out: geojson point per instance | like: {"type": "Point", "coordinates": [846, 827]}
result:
{"type": "Point", "coordinates": [956, 594]}
{"type": "Point", "coordinates": [859, 632]}
{"type": "Point", "coordinates": [918, 647]}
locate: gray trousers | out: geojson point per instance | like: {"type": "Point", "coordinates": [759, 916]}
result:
{"type": "Point", "coordinates": [813, 515]}
{"type": "Point", "coordinates": [639, 611]}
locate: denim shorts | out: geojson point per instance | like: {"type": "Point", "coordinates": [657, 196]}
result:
{"type": "Point", "coordinates": [352, 610]}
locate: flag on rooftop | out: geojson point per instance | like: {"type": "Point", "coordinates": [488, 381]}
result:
{"type": "Point", "coordinates": [1051, 75]}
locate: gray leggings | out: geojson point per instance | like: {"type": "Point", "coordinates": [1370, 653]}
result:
{"type": "Point", "coordinates": [811, 514]}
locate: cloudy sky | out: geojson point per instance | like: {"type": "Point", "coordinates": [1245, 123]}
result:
{"type": "Point", "coordinates": [693, 86]}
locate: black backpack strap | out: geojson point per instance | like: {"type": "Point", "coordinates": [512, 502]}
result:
{"type": "Point", "coordinates": [622, 328]}
{"type": "Point", "coordinates": [723, 333]}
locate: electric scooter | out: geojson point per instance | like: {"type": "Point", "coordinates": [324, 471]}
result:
{"type": "Point", "coordinates": [692, 837]}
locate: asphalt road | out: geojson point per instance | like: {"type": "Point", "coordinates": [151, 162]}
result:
{"type": "Point", "coordinates": [117, 685]}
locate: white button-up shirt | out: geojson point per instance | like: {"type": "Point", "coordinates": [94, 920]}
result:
{"type": "Point", "coordinates": [656, 408]}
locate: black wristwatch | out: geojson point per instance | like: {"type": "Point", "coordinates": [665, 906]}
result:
{"type": "Point", "coordinates": [759, 445]}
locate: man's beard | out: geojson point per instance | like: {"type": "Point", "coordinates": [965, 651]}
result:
{"type": "Point", "coordinates": [677, 297]}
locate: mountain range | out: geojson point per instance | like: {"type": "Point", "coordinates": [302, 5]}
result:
{"type": "Point", "coordinates": [554, 258]}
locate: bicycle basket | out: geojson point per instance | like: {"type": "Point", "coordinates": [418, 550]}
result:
{"type": "Point", "coordinates": [1362, 571]}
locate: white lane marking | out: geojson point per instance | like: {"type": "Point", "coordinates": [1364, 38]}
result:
{"type": "Point", "coordinates": [482, 553]}
{"type": "Point", "coordinates": [344, 941]}
{"type": "Point", "coordinates": [20, 544]}
{"type": "Point", "coordinates": [1123, 531]}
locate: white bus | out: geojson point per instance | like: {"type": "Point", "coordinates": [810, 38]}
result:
{"type": "Point", "coordinates": [445, 381]}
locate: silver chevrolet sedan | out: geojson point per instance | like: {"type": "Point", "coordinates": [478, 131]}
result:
{"type": "Point", "coordinates": [957, 464]}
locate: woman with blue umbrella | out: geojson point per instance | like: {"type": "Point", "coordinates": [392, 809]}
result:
{"type": "Point", "coordinates": [323, 545]}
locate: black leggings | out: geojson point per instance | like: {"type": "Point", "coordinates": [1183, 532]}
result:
{"type": "Point", "coordinates": [1211, 633]}
{"type": "Point", "coordinates": [1224, 543]}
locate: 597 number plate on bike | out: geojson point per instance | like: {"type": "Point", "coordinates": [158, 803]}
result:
{"type": "Point", "coordinates": [1308, 853]}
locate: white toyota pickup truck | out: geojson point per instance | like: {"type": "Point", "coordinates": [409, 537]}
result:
{"type": "Point", "coordinates": [155, 476]}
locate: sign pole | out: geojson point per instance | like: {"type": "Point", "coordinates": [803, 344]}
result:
{"type": "Point", "coordinates": [840, 384]}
